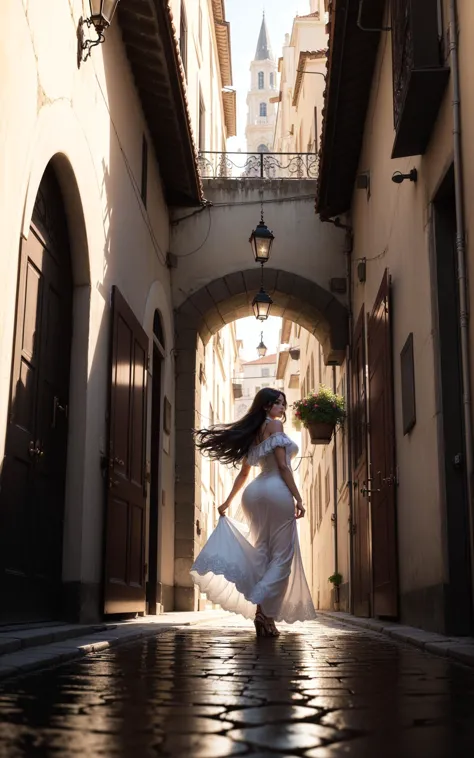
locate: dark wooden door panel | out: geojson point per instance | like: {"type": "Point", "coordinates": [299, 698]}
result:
{"type": "Point", "coordinates": [34, 467]}
{"type": "Point", "coordinates": [124, 585]}
{"type": "Point", "coordinates": [382, 452]}
{"type": "Point", "coordinates": [360, 527]}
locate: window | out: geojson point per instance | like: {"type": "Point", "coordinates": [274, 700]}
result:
{"type": "Point", "coordinates": [261, 80]}
{"type": "Point", "coordinates": [263, 109]}
{"type": "Point", "coordinates": [183, 39]}
{"type": "Point", "coordinates": [202, 123]}
{"type": "Point", "coordinates": [265, 372]}
{"type": "Point", "coordinates": [262, 149]}
{"type": "Point", "coordinates": [272, 80]}
{"type": "Point", "coordinates": [327, 487]}
{"type": "Point", "coordinates": [144, 182]}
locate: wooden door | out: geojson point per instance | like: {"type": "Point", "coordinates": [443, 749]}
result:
{"type": "Point", "coordinates": [382, 456]}
{"type": "Point", "coordinates": [124, 585]}
{"type": "Point", "coordinates": [361, 518]}
{"type": "Point", "coordinates": [34, 467]}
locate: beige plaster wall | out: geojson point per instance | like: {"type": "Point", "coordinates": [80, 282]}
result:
{"type": "Point", "coordinates": [392, 230]}
{"type": "Point", "coordinates": [90, 121]}
{"type": "Point", "coordinates": [214, 243]}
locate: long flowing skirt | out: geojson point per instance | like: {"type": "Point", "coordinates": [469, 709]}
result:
{"type": "Point", "coordinates": [243, 565]}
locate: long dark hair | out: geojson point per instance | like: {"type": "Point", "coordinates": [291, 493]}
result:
{"type": "Point", "coordinates": [229, 443]}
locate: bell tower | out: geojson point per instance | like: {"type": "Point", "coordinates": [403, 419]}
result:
{"type": "Point", "coordinates": [261, 113]}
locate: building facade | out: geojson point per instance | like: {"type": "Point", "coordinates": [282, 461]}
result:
{"type": "Point", "coordinates": [321, 470]}
{"type": "Point", "coordinates": [396, 169]}
{"type": "Point", "coordinates": [302, 68]}
{"type": "Point", "coordinates": [261, 112]}
{"type": "Point", "coordinates": [94, 154]}
{"type": "Point", "coordinates": [217, 375]}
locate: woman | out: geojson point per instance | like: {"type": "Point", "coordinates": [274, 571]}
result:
{"type": "Point", "coordinates": [261, 576]}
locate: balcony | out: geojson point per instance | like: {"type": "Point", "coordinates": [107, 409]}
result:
{"type": "Point", "coordinates": [261, 121]}
{"type": "Point", "coordinates": [419, 77]}
{"type": "Point", "coordinates": [213, 165]}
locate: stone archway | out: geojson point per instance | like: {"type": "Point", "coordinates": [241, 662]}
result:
{"type": "Point", "coordinates": [205, 312]}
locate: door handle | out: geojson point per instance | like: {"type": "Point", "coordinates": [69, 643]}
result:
{"type": "Point", "coordinates": [58, 407]}
{"type": "Point", "coordinates": [34, 450]}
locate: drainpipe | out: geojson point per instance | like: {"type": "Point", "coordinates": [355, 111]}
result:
{"type": "Point", "coordinates": [462, 275]}
{"type": "Point", "coordinates": [350, 244]}
{"type": "Point", "coordinates": [335, 491]}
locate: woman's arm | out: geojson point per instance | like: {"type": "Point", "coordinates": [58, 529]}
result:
{"type": "Point", "coordinates": [286, 472]}
{"type": "Point", "coordinates": [240, 480]}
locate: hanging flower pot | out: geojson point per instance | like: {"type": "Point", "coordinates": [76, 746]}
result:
{"type": "Point", "coordinates": [320, 433]}
{"type": "Point", "coordinates": [321, 413]}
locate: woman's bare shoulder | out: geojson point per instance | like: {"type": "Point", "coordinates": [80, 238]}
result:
{"type": "Point", "coordinates": [273, 427]}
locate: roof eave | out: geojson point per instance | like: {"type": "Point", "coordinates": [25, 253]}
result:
{"type": "Point", "coordinates": [350, 69]}
{"type": "Point", "coordinates": [152, 48]}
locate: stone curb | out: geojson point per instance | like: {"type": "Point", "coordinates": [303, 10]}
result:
{"type": "Point", "coordinates": [14, 640]}
{"type": "Point", "coordinates": [32, 659]}
{"type": "Point", "coordinates": [460, 649]}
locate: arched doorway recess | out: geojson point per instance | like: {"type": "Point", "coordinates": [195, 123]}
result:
{"type": "Point", "coordinates": [205, 312]}
{"type": "Point", "coordinates": [33, 477]}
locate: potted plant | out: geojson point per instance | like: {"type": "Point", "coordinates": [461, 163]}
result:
{"type": "Point", "coordinates": [336, 581]}
{"type": "Point", "coordinates": [320, 412]}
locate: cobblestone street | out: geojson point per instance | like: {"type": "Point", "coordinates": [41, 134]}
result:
{"type": "Point", "coordinates": [319, 691]}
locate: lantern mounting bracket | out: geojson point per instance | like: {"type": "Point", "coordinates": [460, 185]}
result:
{"type": "Point", "coordinates": [85, 45]}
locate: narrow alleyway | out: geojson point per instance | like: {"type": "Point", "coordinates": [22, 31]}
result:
{"type": "Point", "coordinates": [319, 691]}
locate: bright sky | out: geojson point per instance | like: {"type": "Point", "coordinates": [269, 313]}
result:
{"type": "Point", "coordinates": [249, 330]}
{"type": "Point", "coordinates": [245, 18]}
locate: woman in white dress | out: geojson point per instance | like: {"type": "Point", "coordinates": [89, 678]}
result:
{"type": "Point", "coordinates": [255, 569]}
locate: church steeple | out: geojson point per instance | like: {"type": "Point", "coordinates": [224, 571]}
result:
{"type": "Point", "coordinates": [262, 95]}
{"type": "Point", "coordinates": [264, 48]}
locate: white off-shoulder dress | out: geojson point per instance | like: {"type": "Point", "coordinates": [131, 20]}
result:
{"type": "Point", "coordinates": [259, 562]}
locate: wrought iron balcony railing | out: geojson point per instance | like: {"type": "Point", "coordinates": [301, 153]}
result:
{"type": "Point", "coordinates": [213, 165]}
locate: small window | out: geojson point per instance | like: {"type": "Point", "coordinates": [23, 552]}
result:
{"type": "Point", "coordinates": [261, 80]}
{"type": "Point", "coordinates": [263, 109]}
{"type": "Point", "coordinates": [265, 372]}
{"type": "Point", "coordinates": [407, 365]}
{"type": "Point", "coordinates": [183, 40]}
{"type": "Point", "coordinates": [262, 149]}
{"type": "Point", "coordinates": [158, 328]}
{"type": "Point", "coordinates": [272, 80]}
{"type": "Point", "coordinates": [144, 182]}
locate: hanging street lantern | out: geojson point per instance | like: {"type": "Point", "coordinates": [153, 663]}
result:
{"type": "Point", "coordinates": [261, 305]}
{"type": "Point", "coordinates": [102, 13]}
{"type": "Point", "coordinates": [261, 241]}
{"type": "Point", "coordinates": [261, 348]}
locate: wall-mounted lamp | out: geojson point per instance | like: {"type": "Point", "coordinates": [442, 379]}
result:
{"type": "Point", "coordinates": [398, 177]}
{"type": "Point", "coordinates": [102, 13]}
{"type": "Point", "coordinates": [362, 270]}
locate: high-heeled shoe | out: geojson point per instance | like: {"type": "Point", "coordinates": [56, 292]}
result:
{"type": "Point", "coordinates": [274, 631]}
{"type": "Point", "coordinates": [264, 626]}
{"type": "Point", "coordinates": [261, 625]}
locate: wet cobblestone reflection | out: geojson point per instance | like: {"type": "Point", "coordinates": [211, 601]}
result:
{"type": "Point", "coordinates": [321, 690]}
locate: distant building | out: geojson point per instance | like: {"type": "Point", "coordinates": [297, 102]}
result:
{"type": "Point", "coordinates": [255, 375]}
